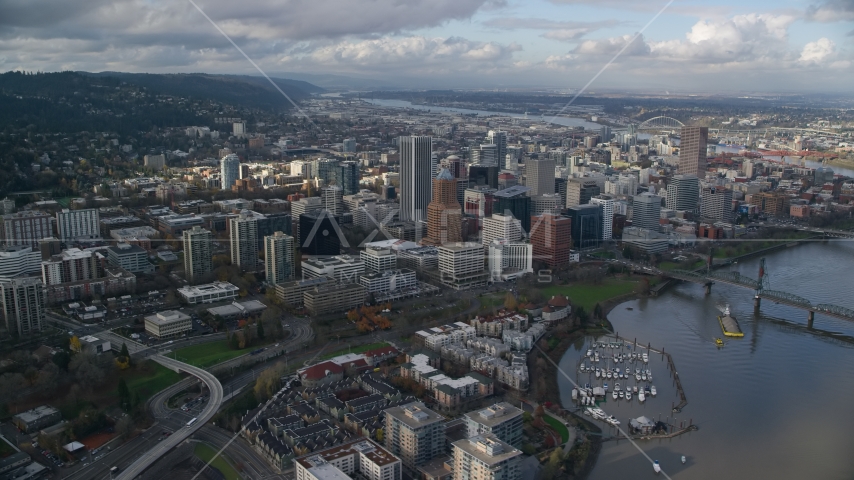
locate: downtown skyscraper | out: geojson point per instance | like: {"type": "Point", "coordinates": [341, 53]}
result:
{"type": "Point", "coordinates": [416, 174]}
{"type": "Point", "coordinates": [692, 150]}
{"type": "Point", "coordinates": [229, 170]}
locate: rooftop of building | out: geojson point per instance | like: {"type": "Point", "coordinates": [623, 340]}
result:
{"type": "Point", "coordinates": [166, 317]}
{"type": "Point", "coordinates": [335, 261]}
{"type": "Point", "coordinates": [514, 191]}
{"type": "Point", "coordinates": [495, 414]}
{"type": "Point", "coordinates": [414, 415]}
{"type": "Point", "coordinates": [388, 273]}
{"type": "Point", "coordinates": [208, 288]}
{"type": "Point", "coordinates": [36, 413]}
{"type": "Point", "coordinates": [126, 249]}
{"type": "Point", "coordinates": [487, 448]}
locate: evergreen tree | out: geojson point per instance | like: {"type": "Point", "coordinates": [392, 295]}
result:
{"type": "Point", "coordinates": [260, 330]}
{"type": "Point", "coordinates": [124, 395]}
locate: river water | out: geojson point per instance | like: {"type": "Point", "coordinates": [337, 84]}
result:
{"type": "Point", "coordinates": [774, 404]}
{"type": "Point", "coordinates": [565, 121]}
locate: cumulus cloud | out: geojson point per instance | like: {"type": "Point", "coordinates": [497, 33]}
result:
{"type": "Point", "coordinates": [415, 52]}
{"type": "Point", "coordinates": [818, 51]}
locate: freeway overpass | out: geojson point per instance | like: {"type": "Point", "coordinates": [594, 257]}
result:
{"type": "Point", "coordinates": [213, 404]}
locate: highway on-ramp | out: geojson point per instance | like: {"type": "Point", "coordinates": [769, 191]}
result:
{"type": "Point", "coordinates": [159, 450]}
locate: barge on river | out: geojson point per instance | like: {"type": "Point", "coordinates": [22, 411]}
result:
{"type": "Point", "coordinates": [729, 324]}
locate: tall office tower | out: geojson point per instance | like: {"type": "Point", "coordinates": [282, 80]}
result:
{"type": "Point", "coordinates": [346, 176]}
{"type": "Point", "coordinates": [692, 150]}
{"type": "Point", "coordinates": [606, 204]}
{"type": "Point", "coordinates": [586, 225]}
{"type": "Point", "coordinates": [560, 189]}
{"type": "Point", "coordinates": [540, 175]}
{"type": "Point", "coordinates": [455, 165]}
{"type": "Point", "coordinates": [434, 165]}
{"type": "Point", "coordinates": [716, 204]}
{"type": "Point", "coordinates": [551, 238]}
{"type": "Point", "coordinates": [485, 457]}
{"type": "Point", "coordinates": [333, 199]}
{"type": "Point", "coordinates": [646, 211]}
{"type": "Point", "coordinates": [229, 170]}
{"type": "Point", "coordinates": [483, 175]}
{"type": "Point", "coordinates": [197, 254]}
{"type": "Point", "coordinates": [26, 228]}
{"type": "Point", "coordinates": [243, 233]}
{"type": "Point", "coordinates": [486, 155]}
{"type": "Point", "coordinates": [349, 145]}
{"type": "Point", "coordinates": [548, 203]}
{"type": "Point", "coordinates": [605, 133]}
{"type": "Point", "coordinates": [506, 180]}
{"type": "Point", "coordinates": [78, 224]}
{"type": "Point", "coordinates": [325, 169]}
{"type": "Point", "coordinates": [516, 202]}
{"type": "Point", "coordinates": [278, 258]}
{"type": "Point", "coordinates": [500, 226]}
{"type": "Point", "coordinates": [579, 191]}
{"type": "Point", "coordinates": [499, 139]}
{"type": "Point", "coordinates": [444, 214]}
{"type": "Point", "coordinates": [319, 233]}
{"type": "Point", "coordinates": [414, 433]}
{"type": "Point", "coordinates": [415, 175]}
{"type": "Point", "coordinates": [683, 193]}
{"type": "Point", "coordinates": [23, 300]}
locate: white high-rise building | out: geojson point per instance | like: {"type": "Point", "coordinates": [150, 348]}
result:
{"type": "Point", "coordinates": [485, 457]}
{"type": "Point", "coordinates": [509, 260]}
{"type": "Point", "coordinates": [606, 205]}
{"type": "Point", "coordinates": [646, 211]}
{"type": "Point", "coordinates": [540, 176]}
{"type": "Point", "coordinates": [279, 258]}
{"type": "Point", "coordinates": [78, 224]}
{"type": "Point", "coordinates": [23, 301]}
{"type": "Point", "coordinates": [197, 254]}
{"type": "Point", "coordinates": [416, 174]}
{"type": "Point", "coordinates": [302, 168]}
{"type": "Point", "coordinates": [500, 226]}
{"type": "Point", "coordinates": [333, 199]}
{"type": "Point", "coordinates": [243, 232]}
{"type": "Point", "coordinates": [229, 170]}
{"type": "Point", "coordinates": [238, 129]}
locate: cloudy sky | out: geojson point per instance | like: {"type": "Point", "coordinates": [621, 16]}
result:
{"type": "Point", "coordinates": [694, 46]}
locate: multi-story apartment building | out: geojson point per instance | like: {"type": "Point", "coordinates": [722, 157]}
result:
{"type": "Point", "coordinates": [414, 433]}
{"type": "Point", "coordinates": [243, 233]}
{"type": "Point", "coordinates": [23, 301]}
{"type": "Point", "coordinates": [361, 458]}
{"type": "Point", "coordinates": [129, 257]}
{"type": "Point", "coordinates": [26, 228]}
{"type": "Point", "coordinates": [501, 419]}
{"type": "Point", "coordinates": [18, 259]}
{"type": "Point", "coordinates": [78, 224]}
{"type": "Point", "coordinates": [229, 170]}
{"type": "Point", "coordinates": [716, 204]}
{"type": "Point", "coordinates": [683, 193]}
{"type": "Point", "coordinates": [279, 258]}
{"type": "Point", "coordinates": [197, 254]}
{"type": "Point", "coordinates": [485, 457]}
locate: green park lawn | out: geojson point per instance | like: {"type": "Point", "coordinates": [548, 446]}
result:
{"type": "Point", "coordinates": [153, 379]}
{"type": "Point", "coordinates": [559, 427]}
{"type": "Point", "coordinates": [588, 295]}
{"type": "Point", "coordinates": [206, 453]}
{"type": "Point", "coordinates": [208, 354]}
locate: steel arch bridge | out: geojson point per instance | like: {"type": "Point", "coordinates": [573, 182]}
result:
{"type": "Point", "coordinates": [661, 123]}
